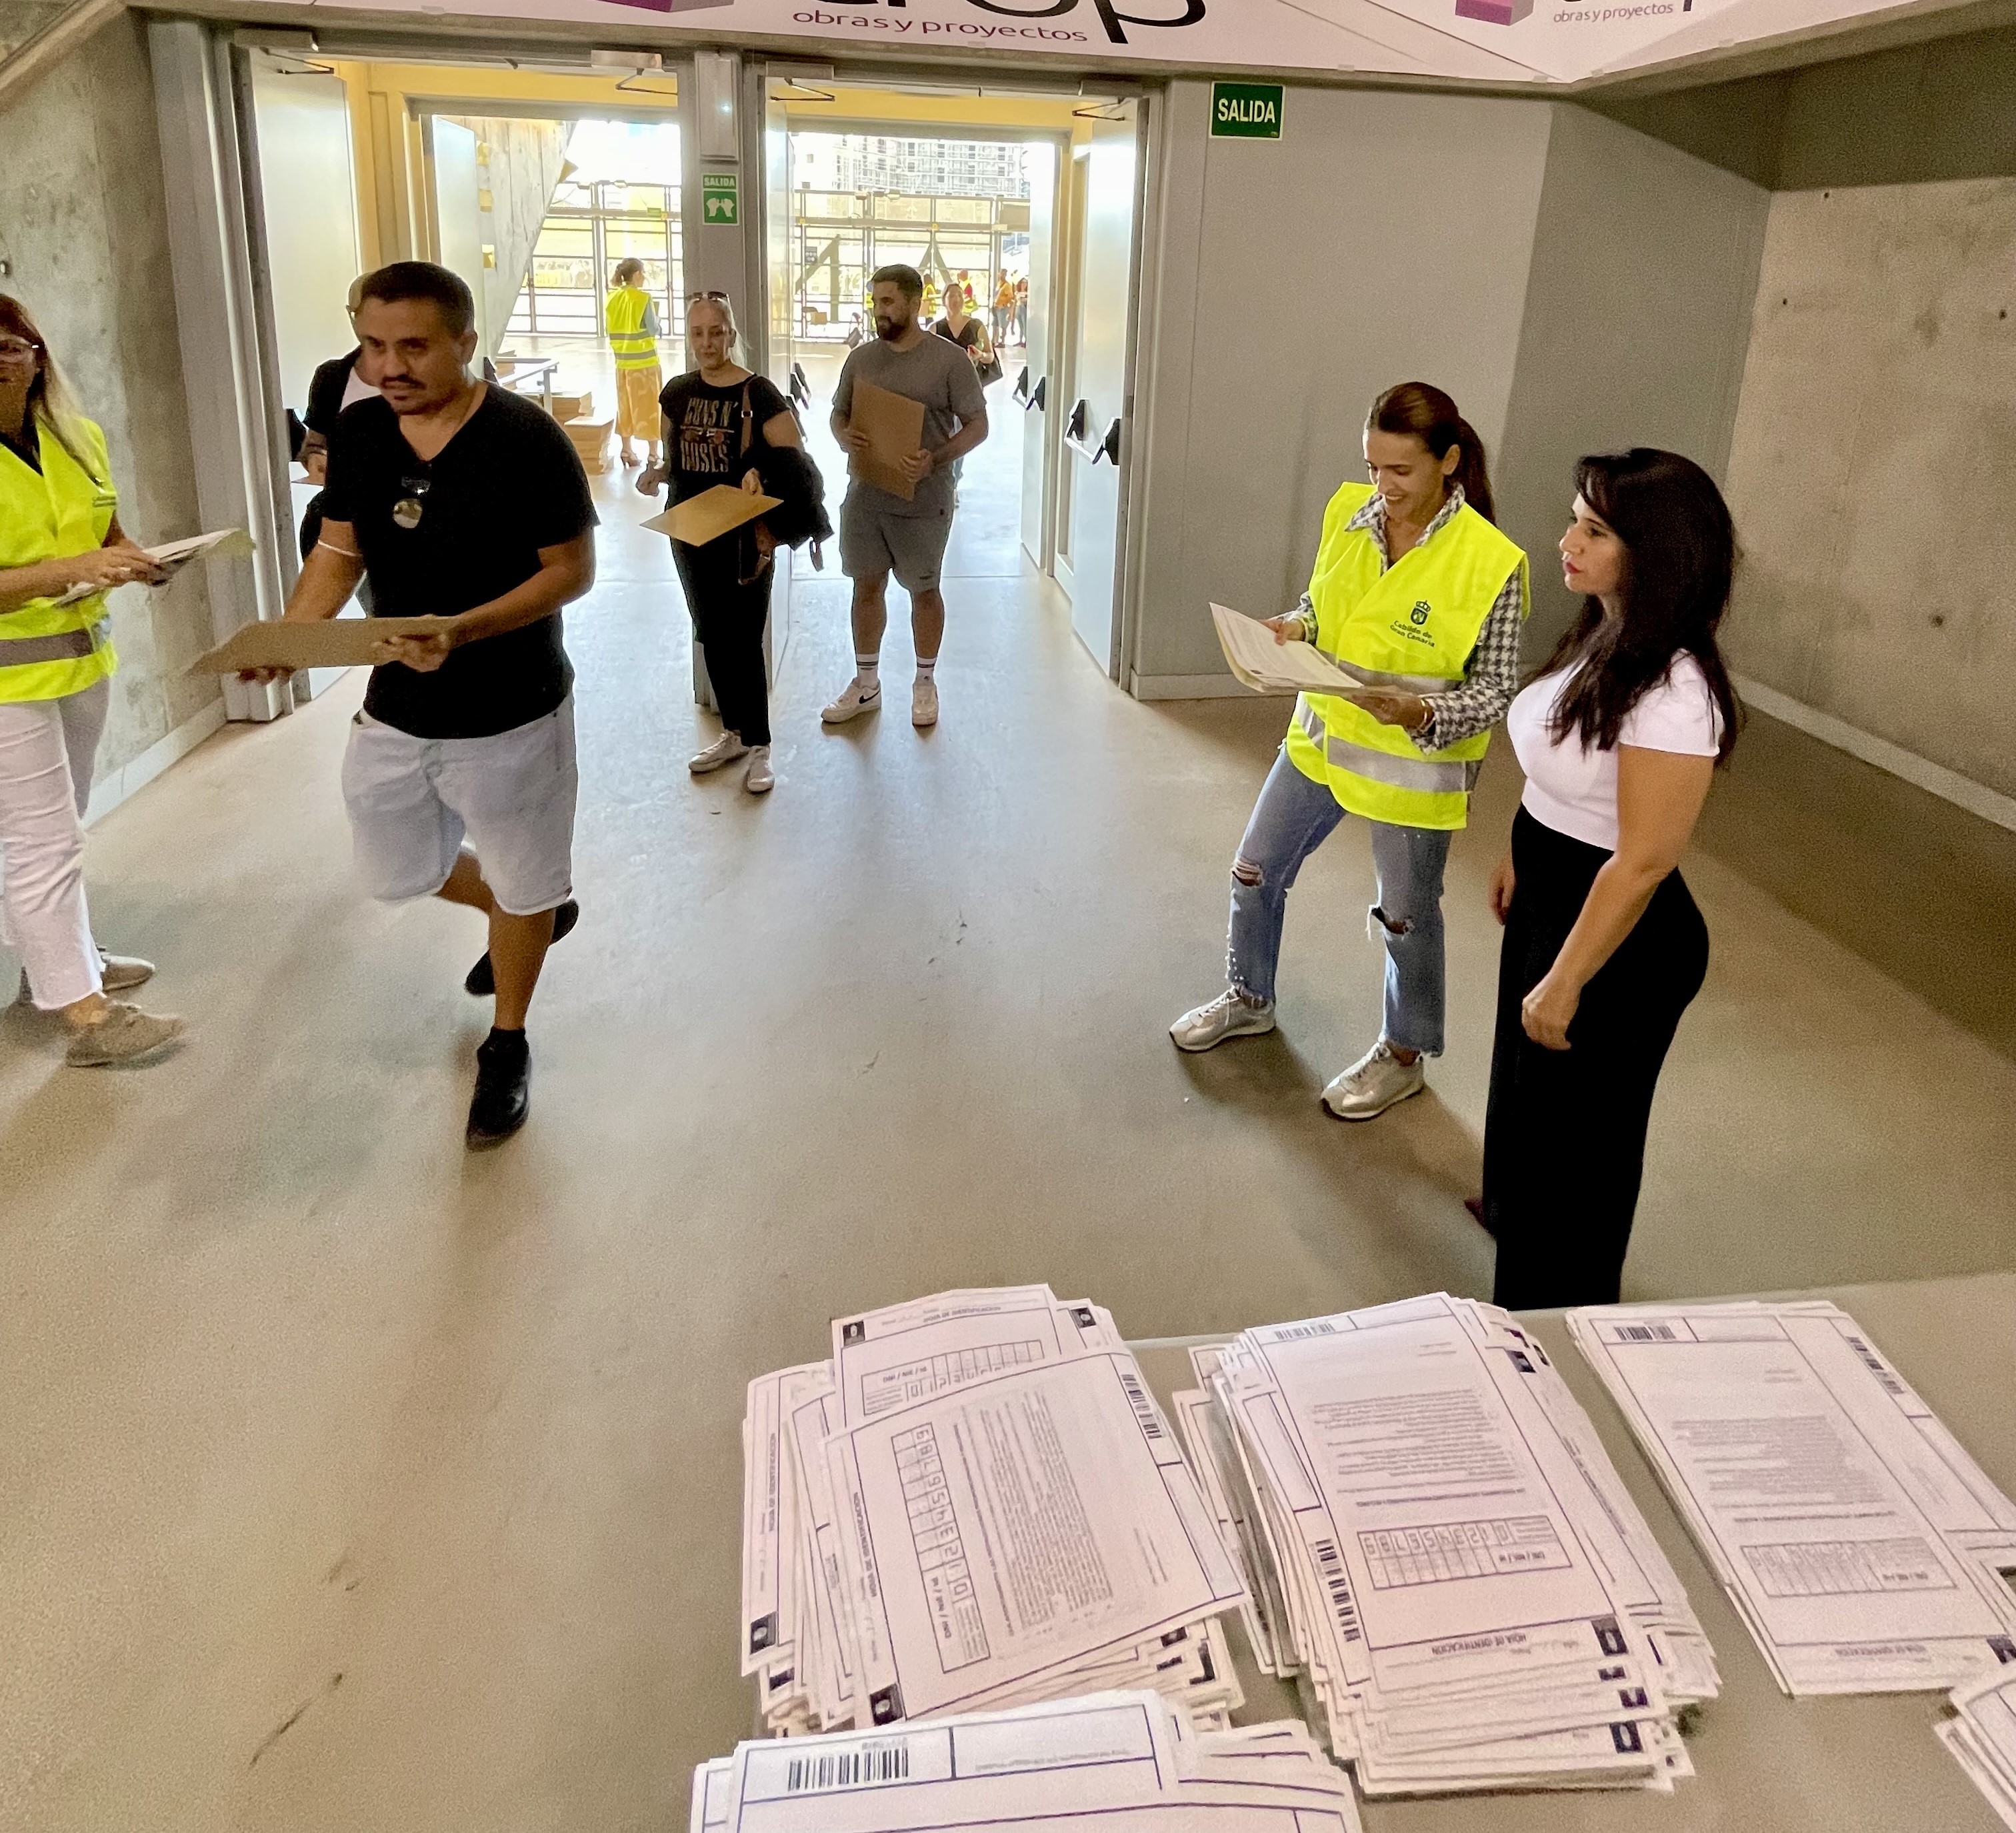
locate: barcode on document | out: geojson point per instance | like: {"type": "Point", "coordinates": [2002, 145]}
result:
{"type": "Point", "coordinates": [1295, 1333]}
{"type": "Point", "coordinates": [1874, 1363]}
{"type": "Point", "coordinates": [1331, 1565]}
{"type": "Point", "coordinates": [1144, 1408]}
{"type": "Point", "coordinates": [848, 1769]}
{"type": "Point", "coordinates": [1646, 1333]}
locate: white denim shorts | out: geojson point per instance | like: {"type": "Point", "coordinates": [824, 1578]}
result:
{"type": "Point", "coordinates": [413, 801]}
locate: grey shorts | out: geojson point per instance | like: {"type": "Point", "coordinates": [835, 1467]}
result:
{"type": "Point", "coordinates": [873, 541]}
{"type": "Point", "coordinates": [412, 801]}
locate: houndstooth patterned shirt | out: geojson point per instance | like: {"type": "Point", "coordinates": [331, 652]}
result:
{"type": "Point", "coordinates": [1491, 676]}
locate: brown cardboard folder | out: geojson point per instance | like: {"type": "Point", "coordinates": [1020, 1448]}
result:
{"type": "Point", "coordinates": [333, 643]}
{"type": "Point", "coordinates": [711, 514]}
{"type": "Point", "coordinates": [894, 425]}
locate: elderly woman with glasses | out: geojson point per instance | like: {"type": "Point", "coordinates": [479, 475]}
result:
{"type": "Point", "coordinates": [61, 548]}
{"type": "Point", "coordinates": [719, 419]}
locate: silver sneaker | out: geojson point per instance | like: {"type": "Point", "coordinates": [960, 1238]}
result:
{"type": "Point", "coordinates": [1374, 1083]}
{"type": "Point", "coordinates": [1230, 1015]}
{"type": "Point", "coordinates": [116, 973]}
{"type": "Point", "coordinates": [725, 750]}
{"type": "Point", "coordinates": [124, 1035]}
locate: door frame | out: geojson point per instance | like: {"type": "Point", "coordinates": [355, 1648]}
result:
{"type": "Point", "coordinates": [1149, 100]}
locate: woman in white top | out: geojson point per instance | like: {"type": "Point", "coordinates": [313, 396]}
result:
{"type": "Point", "coordinates": [1619, 737]}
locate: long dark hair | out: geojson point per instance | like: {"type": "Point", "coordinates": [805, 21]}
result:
{"type": "Point", "coordinates": [1422, 410]}
{"type": "Point", "coordinates": [1679, 560]}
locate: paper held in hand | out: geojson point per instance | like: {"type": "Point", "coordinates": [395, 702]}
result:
{"type": "Point", "coordinates": [332, 643]}
{"type": "Point", "coordinates": [1267, 667]}
{"type": "Point", "coordinates": [711, 514]}
{"type": "Point", "coordinates": [894, 425]}
{"type": "Point", "coordinates": [172, 556]}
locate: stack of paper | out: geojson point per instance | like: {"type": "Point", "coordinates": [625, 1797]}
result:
{"type": "Point", "coordinates": [1436, 1538]}
{"type": "Point", "coordinates": [974, 1502]}
{"type": "Point", "coordinates": [1983, 1738]}
{"type": "Point", "coordinates": [1855, 1536]}
{"type": "Point", "coordinates": [1127, 1759]}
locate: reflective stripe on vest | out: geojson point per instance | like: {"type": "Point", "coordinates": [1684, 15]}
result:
{"type": "Point", "coordinates": [1396, 772]}
{"type": "Point", "coordinates": [1381, 678]}
{"type": "Point", "coordinates": [623, 317]}
{"type": "Point", "coordinates": [47, 650]}
{"type": "Point", "coordinates": [19, 652]}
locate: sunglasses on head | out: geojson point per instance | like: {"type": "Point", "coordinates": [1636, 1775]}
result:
{"type": "Point", "coordinates": [695, 298]}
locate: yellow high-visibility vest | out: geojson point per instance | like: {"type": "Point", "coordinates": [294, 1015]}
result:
{"type": "Point", "coordinates": [47, 650]}
{"type": "Point", "coordinates": [1411, 627]}
{"type": "Point", "coordinates": [634, 347]}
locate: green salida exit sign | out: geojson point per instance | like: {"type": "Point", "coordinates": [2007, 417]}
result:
{"type": "Point", "coordinates": [1246, 111]}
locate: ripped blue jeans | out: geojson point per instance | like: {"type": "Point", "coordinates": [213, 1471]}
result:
{"type": "Point", "coordinates": [1293, 817]}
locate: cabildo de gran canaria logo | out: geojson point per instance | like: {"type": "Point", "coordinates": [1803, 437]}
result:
{"type": "Point", "coordinates": [1419, 615]}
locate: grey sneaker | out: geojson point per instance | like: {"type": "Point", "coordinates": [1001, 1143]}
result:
{"type": "Point", "coordinates": [124, 1035]}
{"type": "Point", "coordinates": [725, 750]}
{"type": "Point", "coordinates": [118, 974]}
{"type": "Point", "coordinates": [1230, 1015]}
{"type": "Point", "coordinates": [1374, 1083]}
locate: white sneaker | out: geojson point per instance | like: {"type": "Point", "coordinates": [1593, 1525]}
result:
{"type": "Point", "coordinates": [924, 704]}
{"type": "Point", "coordinates": [761, 779]}
{"type": "Point", "coordinates": [725, 750]}
{"type": "Point", "coordinates": [1374, 1083]}
{"type": "Point", "coordinates": [1230, 1015]}
{"type": "Point", "coordinates": [854, 700]}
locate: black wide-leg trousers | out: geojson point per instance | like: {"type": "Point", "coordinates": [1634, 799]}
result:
{"type": "Point", "coordinates": [1564, 1131]}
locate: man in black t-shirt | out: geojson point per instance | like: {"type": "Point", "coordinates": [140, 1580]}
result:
{"type": "Point", "coordinates": [459, 500]}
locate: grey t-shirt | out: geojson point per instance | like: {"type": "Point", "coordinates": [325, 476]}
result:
{"type": "Point", "coordinates": [939, 374]}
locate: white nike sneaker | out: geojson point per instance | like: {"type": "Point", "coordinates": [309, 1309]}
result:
{"type": "Point", "coordinates": [1375, 1083]}
{"type": "Point", "coordinates": [924, 704]}
{"type": "Point", "coordinates": [854, 700]}
{"type": "Point", "coordinates": [1230, 1015]}
{"type": "Point", "coordinates": [725, 750]}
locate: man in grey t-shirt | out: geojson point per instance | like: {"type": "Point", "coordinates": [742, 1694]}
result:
{"type": "Point", "coordinates": [881, 533]}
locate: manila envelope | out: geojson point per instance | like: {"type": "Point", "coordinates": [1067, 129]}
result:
{"type": "Point", "coordinates": [332, 643]}
{"type": "Point", "coordinates": [894, 425]}
{"type": "Point", "coordinates": [711, 514]}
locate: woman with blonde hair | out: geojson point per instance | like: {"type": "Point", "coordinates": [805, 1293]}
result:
{"type": "Point", "coordinates": [719, 422]}
{"type": "Point", "coordinates": [630, 316]}
{"type": "Point", "coordinates": [61, 548]}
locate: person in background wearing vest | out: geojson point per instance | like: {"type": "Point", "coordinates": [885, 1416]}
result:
{"type": "Point", "coordinates": [59, 533]}
{"type": "Point", "coordinates": [632, 319]}
{"type": "Point", "coordinates": [1416, 592]}
{"type": "Point", "coordinates": [1619, 736]}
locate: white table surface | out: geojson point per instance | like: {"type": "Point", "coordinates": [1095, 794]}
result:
{"type": "Point", "coordinates": [1765, 1763]}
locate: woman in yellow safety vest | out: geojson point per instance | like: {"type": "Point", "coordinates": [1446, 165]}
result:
{"type": "Point", "coordinates": [1417, 593]}
{"type": "Point", "coordinates": [61, 546]}
{"type": "Point", "coordinates": [631, 317]}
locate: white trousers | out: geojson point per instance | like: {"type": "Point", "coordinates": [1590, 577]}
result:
{"type": "Point", "coordinates": [46, 752]}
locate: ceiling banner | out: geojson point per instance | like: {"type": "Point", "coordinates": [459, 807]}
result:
{"type": "Point", "coordinates": [1541, 41]}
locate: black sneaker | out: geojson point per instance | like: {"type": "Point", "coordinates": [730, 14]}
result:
{"type": "Point", "coordinates": [482, 981]}
{"type": "Point", "coordinates": [503, 1089]}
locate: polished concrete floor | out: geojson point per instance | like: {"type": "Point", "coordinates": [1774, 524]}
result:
{"type": "Point", "coordinates": [348, 1481]}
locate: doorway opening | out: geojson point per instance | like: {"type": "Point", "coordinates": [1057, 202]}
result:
{"type": "Point", "coordinates": [1031, 202]}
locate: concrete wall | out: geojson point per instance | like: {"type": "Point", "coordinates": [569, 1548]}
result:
{"type": "Point", "coordinates": [83, 222]}
{"type": "Point", "coordinates": [1384, 237]}
{"type": "Point", "coordinates": [517, 165]}
{"type": "Point", "coordinates": [1574, 284]}
{"type": "Point", "coordinates": [1874, 466]}
{"type": "Point", "coordinates": [1636, 319]}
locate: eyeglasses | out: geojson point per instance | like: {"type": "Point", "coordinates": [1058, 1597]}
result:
{"type": "Point", "coordinates": [695, 298]}
{"type": "Point", "coordinates": [18, 348]}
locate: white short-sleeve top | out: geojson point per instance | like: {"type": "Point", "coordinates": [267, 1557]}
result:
{"type": "Point", "coordinates": [1572, 787]}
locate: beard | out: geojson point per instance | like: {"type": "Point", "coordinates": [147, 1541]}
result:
{"type": "Point", "coordinates": [889, 328]}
